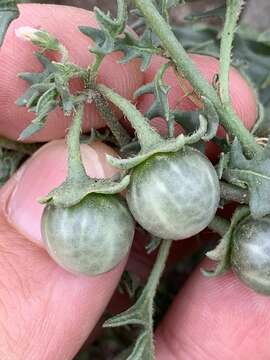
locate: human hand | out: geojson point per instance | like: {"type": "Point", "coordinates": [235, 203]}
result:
{"type": "Point", "coordinates": [47, 313]}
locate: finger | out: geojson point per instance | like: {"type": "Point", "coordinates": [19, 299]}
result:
{"type": "Point", "coordinates": [43, 172]}
{"type": "Point", "coordinates": [242, 96]}
{"type": "Point", "coordinates": [17, 56]}
{"type": "Point", "coordinates": [44, 309]}
{"type": "Point", "coordinates": [217, 318]}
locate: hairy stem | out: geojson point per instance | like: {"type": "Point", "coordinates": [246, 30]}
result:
{"type": "Point", "coordinates": [110, 119]}
{"type": "Point", "coordinates": [158, 268]}
{"type": "Point", "coordinates": [146, 134]}
{"type": "Point", "coordinates": [102, 104]}
{"type": "Point", "coordinates": [92, 71]}
{"type": "Point", "coordinates": [188, 69]}
{"type": "Point", "coordinates": [233, 10]}
{"type": "Point", "coordinates": [151, 287]}
{"type": "Point", "coordinates": [75, 165]}
{"type": "Point", "coordinates": [219, 225]}
{"type": "Point", "coordinates": [174, 48]}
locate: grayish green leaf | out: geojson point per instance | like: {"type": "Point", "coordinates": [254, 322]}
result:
{"type": "Point", "coordinates": [38, 123]}
{"type": "Point", "coordinates": [110, 29]}
{"type": "Point", "coordinates": [8, 12]}
{"type": "Point", "coordinates": [254, 174]}
{"type": "Point", "coordinates": [222, 252]}
{"type": "Point", "coordinates": [113, 26]}
{"type": "Point", "coordinates": [64, 197]}
{"type": "Point", "coordinates": [130, 283]}
{"type": "Point", "coordinates": [112, 37]}
{"type": "Point", "coordinates": [160, 106]}
{"type": "Point", "coordinates": [210, 113]}
{"type": "Point", "coordinates": [103, 40]}
{"type": "Point", "coordinates": [10, 160]}
{"type": "Point", "coordinates": [132, 47]}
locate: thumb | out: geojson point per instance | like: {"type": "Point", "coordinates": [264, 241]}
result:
{"type": "Point", "coordinates": [44, 309]}
{"type": "Point", "coordinates": [43, 172]}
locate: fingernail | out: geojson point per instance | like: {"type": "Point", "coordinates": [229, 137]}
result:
{"type": "Point", "coordinates": [45, 171]}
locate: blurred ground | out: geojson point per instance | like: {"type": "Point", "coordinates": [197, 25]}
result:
{"type": "Point", "coordinates": [256, 12]}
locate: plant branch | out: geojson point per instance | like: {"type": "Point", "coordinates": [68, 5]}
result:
{"type": "Point", "coordinates": [188, 69]}
{"type": "Point", "coordinates": [75, 165]}
{"type": "Point", "coordinates": [233, 193]}
{"type": "Point", "coordinates": [92, 71]}
{"type": "Point", "coordinates": [146, 134]}
{"type": "Point", "coordinates": [158, 268]}
{"type": "Point", "coordinates": [174, 48]}
{"type": "Point", "coordinates": [110, 119]}
{"type": "Point", "coordinates": [150, 289]}
{"type": "Point", "coordinates": [233, 10]}
{"type": "Point", "coordinates": [141, 313]}
{"type": "Point", "coordinates": [219, 225]}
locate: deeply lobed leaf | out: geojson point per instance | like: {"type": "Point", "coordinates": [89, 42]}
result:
{"type": "Point", "coordinates": [254, 174]}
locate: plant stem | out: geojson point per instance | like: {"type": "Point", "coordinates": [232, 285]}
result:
{"type": "Point", "coordinates": [102, 105]}
{"type": "Point", "coordinates": [27, 149]}
{"type": "Point", "coordinates": [174, 48]}
{"type": "Point", "coordinates": [233, 193]}
{"type": "Point", "coordinates": [188, 69]}
{"type": "Point", "coordinates": [219, 225]}
{"type": "Point", "coordinates": [158, 268]}
{"type": "Point", "coordinates": [231, 121]}
{"type": "Point", "coordinates": [92, 71]}
{"type": "Point", "coordinates": [76, 169]}
{"type": "Point", "coordinates": [233, 10]}
{"type": "Point", "coordinates": [109, 117]}
{"type": "Point", "coordinates": [146, 134]}
{"type": "Point", "coordinates": [150, 289]}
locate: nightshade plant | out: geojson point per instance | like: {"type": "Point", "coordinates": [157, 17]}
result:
{"type": "Point", "coordinates": [173, 190]}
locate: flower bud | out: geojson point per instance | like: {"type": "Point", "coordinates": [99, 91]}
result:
{"type": "Point", "coordinates": [40, 38]}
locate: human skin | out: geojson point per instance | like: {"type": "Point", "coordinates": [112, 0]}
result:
{"type": "Point", "coordinates": [48, 313]}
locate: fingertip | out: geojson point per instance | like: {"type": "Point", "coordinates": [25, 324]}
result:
{"type": "Point", "coordinates": [215, 316]}
{"type": "Point", "coordinates": [124, 78]}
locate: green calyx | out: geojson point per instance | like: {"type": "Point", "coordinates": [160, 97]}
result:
{"type": "Point", "coordinates": [151, 142]}
{"type": "Point", "coordinates": [164, 146]}
{"type": "Point", "coordinates": [72, 191]}
{"type": "Point", "coordinates": [222, 253]}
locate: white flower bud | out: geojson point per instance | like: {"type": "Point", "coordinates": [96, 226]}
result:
{"type": "Point", "coordinates": [27, 33]}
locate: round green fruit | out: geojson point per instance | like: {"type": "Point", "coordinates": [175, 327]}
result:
{"type": "Point", "coordinates": [91, 237]}
{"type": "Point", "coordinates": [174, 195]}
{"type": "Point", "coordinates": [250, 253]}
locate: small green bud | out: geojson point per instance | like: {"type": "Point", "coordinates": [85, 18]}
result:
{"type": "Point", "coordinates": [40, 38]}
